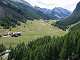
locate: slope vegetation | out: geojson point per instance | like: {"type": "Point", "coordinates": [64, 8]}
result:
{"type": "Point", "coordinates": [72, 19]}
{"type": "Point", "coordinates": [50, 48]}
{"type": "Point", "coordinates": [30, 30]}
{"type": "Point", "coordinates": [14, 12]}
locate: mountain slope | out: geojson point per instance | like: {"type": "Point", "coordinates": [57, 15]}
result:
{"type": "Point", "coordinates": [55, 13]}
{"type": "Point", "coordinates": [17, 11]}
{"type": "Point", "coordinates": [30, 30]}
{"type": "Point", "coordinates": [60, 13]}
{"type": "Point", "coordinates": [75, 27]}
{"type": "Point", "coordinates": [23, 9]}
{"type": "Point", "coordinates": [73, 18]}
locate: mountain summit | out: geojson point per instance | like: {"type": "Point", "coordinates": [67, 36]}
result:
{"type": "Point", "coordinates": [20, 11]}
{"type": "Point", "coordinates": [19, 8]}
{"type": "Point", "coordinates": [60, 13]}
{"type": "Point", "coordinates": [55, 13]}
{"type": "Point", "coordinates": [17, 11]}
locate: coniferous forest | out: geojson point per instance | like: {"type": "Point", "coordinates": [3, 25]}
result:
{"type": "Point", "coordinates": [49, 48]}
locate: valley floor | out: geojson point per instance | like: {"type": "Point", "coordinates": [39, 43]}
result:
{"type": "Point", "coordinates": [31, 30]}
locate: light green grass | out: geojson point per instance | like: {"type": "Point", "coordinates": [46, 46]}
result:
{"type": "Point", "coordinates": [31, 30]}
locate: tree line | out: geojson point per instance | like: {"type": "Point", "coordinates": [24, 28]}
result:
{"type": "Point", "coordinates": [49, 48]}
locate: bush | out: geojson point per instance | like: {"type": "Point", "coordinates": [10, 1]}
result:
{"type": "Point", "coordinates": [2, 48]}
{"type": "Point", "coordinates": [0, 35]}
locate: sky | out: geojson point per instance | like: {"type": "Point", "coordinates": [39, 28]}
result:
{"type": "Point", "coordinates": [50, 4]}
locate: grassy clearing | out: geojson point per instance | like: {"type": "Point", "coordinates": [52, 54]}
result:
{"type": "Point", "coordinates": [31, 30]}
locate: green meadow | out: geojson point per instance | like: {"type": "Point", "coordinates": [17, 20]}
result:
{"type": "Point", "coordinates": [31, 30]}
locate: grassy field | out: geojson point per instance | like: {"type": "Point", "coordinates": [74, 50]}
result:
{"type": "Point", "coordinates": [31, 30]}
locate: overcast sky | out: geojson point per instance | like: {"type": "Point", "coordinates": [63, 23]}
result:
{"type": "Point", "coordinates": [67, 4]}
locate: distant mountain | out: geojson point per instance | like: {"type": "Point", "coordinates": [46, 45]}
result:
{"type": "Point", "coordinates": [17, 11]}
{"type": "Point", "coordinates": [60, 13]}
{"type": "Point", "coordinates": [20, 7]}
{"type": "Point", "coordinates": [56, 13]}
{"type": "Point", "coordinates": [23, 10]}
{"type": "Point", "coordinates": [72, 19]}
{"type": "Point", "coordinates": [44, 10]}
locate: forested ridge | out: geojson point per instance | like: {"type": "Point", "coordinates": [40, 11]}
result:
{"type": "Point", "coordinates": [72, 19]}
{"type": "Point", "coordinates": [49, 48]}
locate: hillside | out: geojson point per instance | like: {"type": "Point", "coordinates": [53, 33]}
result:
{"type": "Point", "coordinates": [60, 13]}
{"type": "Point", "coordinates": [30, 30]}
{"type": "Point", "coordinates": [75, 27]}
{"type": "Point", "coordinates": [73, 18]}
{"type": "Point", "coordinates": [18, 11]}
{"type": "Point", "coordinates": [55, 13]}
{"type": "Point", "coordinates": [66, 47]}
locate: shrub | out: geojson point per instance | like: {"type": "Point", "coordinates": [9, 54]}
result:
{"type": "Point", "coordinates": [2, 48]}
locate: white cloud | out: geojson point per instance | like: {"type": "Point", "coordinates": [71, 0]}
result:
{"type": "Point", "coordinates": [68, 4]}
